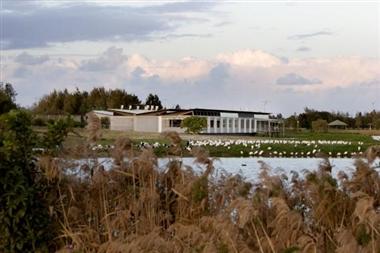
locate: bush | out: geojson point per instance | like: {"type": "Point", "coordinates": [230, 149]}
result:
{"type": "Point", "coordinates": [194, 124]}
{"type": "Point", "coordinates": [24, 217]}
{"type": "Point", "coordinates": [319, 125]}
{"type": "Point", "coordinates": [79, 124]}
{"type": "Point", "coordinates": [105, 122]}
{"type": "Point", "coordinates": [56, 134]}
{"type": "Point", "coordinates": [38, 122]}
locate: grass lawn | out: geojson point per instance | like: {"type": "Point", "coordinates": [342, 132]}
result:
{"type": "Point", "coordinates": [335, 135]}
{"type": "Point", "coordinates": [347, 143]}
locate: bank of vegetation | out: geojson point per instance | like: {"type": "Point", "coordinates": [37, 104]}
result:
{"type": "Point", "coordinates": [48, 206]}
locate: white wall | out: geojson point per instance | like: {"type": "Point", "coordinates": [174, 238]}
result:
{"type": "Point", "coordinates": [146, 124]}
{"type": "Point", "coordinates": [121, 123]}
{"type": "Point", "coordinates": [260, 116]}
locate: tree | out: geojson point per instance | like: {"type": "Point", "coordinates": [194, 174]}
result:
{"type": "Point", "coordinates": [194, 124]}
{"type": "Point", "coordinates": [79, 103]}
{"type": "Point", "coordinates": [57, 133]}
{"type": "Point", "coordinates": [358, 120]}
{"type": "Point", "coordinates": [7, 98]}
{"type": "Point", "coordinates": [319, 125]}
{"type": "Point", "coordinates": [24, 218]}
{"type": "Point", "coordinates": [376, 124]}
{"type": "Point", "coordinates": [153, 100]}
{"type": "Point", "coordinates": [97, 99]}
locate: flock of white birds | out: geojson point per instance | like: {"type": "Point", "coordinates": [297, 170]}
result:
{"type": "Point", "coordinates": [263, 147]}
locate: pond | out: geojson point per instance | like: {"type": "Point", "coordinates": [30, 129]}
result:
{"type": "Point", "coordinates": [249, 167]}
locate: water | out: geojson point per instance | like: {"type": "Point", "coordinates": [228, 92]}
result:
{"type": "Point", "coordinates": [249, 167]}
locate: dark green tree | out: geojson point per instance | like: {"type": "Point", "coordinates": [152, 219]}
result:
{"type": "Point", "coordinates": [7, 98]}
{"type": "Point", "coordinates": [57, 132]}
{"type": "Point", "coordinates": [24, 218]}
{"type": "Point", "coordinates": [153, 100]}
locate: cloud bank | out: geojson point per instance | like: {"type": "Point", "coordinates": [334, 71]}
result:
{"type": "Point", "coordinates": [238, 80]}
{"type": "Point", "coordinates": [32, 25]}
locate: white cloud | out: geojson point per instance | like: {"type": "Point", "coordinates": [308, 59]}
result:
{"type": "Point", "coordinates": [241, 79]}
{"type": "Point", "coordinates": [109, 60]}
{"type": "Point", "coordinates": [250, 58]}
{"type": "Point", "coordinates": [36, 24]}
{"type": "Point", "coordinates": [27, 59]}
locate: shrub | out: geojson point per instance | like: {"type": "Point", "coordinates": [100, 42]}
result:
{"type": "Point", "coordinates": [56, 134]}
{"type": "Point", "coordinates": [319, 125]}
{"type": "Point", "coordinates": [38, 122]}
{"type": "Point", "coordinates": [194, 124]}
{"type": "Point", "coordinates": [24, 218]}
{"type": "Point", "coordinates": [105, 122]}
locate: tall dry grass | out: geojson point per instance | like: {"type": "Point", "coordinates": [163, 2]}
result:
{"type": "Point", "coordinates": [136, 207]}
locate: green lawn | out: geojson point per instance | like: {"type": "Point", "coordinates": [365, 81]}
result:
{"type": "Point", "coordinates": [356, 142]}
{"type": "Point", "coordinates": [339, 135]}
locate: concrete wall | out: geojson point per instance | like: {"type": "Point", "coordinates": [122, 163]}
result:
{"type": "Point", "coordinates": [121, 123]}
{"type": "Point", "coordinates": [146, 124]}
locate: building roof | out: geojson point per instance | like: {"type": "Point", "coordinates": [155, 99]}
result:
{"type": "Point", "coordinates": [203, 112]}
{"type": "Point", "coordinates": [231, 111]}
{"type": "Point", "coordinates": [337, 123]}
{"type": "Point", "coordinates": [129, 112]}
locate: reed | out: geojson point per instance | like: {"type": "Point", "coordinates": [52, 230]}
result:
{"type": "Point", "coordinates": [137, 207]}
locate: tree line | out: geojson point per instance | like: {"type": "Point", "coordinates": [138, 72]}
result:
{"type": "Point", "coordinates": [360, 120]}
{"type": "Point", "coordinates": [80, 102]}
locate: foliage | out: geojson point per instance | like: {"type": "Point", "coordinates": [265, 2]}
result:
{"type": "Point", "coordinates": [37, 121]}
{"type": "Point", "coordinates": [319, 125]}
{"type": "Point", "coordinates": [56, 133]}
{"type": "Point", "coordinates": [80, 102]}
{"type": "Point", "coordinates": [24, 218]}
{"type": "Point", "coordinates": [376, 123]}
{"type": "Point", "coordinates": [153, 100]}
{"type": "Point", "coordinates": [361, 120]}
{"type": "Point", "coordinates": [194, 124]}
{"type": "Point", "coordinates": [7, 98]}
{"type": "Point", "coordinates": [105, 121]}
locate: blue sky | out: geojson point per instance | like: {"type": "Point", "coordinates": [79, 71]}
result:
{"type": "Point", "coordinates": [232, 54]}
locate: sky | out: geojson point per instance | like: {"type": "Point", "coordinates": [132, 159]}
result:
{"type": "Point", "coordinates": [275, 56]}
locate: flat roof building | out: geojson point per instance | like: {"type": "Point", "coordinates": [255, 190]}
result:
{"type": "Point", "coordinates": [218, 121]}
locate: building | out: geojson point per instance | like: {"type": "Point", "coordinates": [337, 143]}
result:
{"type": "Point", "coordinates": [337, 124]}
{"type": "Point", "coordinates": [148, 119]}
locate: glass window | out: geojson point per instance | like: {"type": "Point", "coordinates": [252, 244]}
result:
{"type": "Point", "coordinates": [211, 123]}
{"type": "Point", "coordinates": [218, 123]}
{"type": "Point", "coordinates": [230, 123]}
{"type": "Point", "coordinates": [224, 123]}
{"type": "Point", "coordinates": [175, 123]}
{"type": "Point", "coordinates": [242, 123]}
